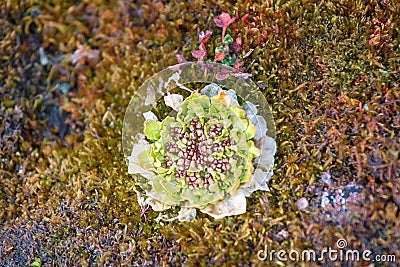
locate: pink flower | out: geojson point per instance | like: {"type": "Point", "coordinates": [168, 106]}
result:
{"type": "Point", "coordinates": [223, 21]}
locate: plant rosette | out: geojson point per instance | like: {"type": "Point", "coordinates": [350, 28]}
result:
{"type": "Point", "coordinates": [210, 154]}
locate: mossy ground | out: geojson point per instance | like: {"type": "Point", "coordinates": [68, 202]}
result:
{"type": "Point", "coordinates": [329, 69]}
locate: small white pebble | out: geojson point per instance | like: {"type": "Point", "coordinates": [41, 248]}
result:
{"type": "Point", "coordinates": [326, 177]}
{"type": "Point", "coordinates": [302, 203]}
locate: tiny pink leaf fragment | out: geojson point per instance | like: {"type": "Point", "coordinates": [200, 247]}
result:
{"type": "Point", "coordinates": [245, 17]}
{"type": "Point", "coordinates": [85, 55]}
{"type": "Point", "coordinates": [239, 41]}
{"type": "Point", "coordinates": [223, 74]}
{"type": "Point", "coordinates": [180, 58]}
{"type": "Point", "coordinates": [220, 76]}
{"type": "Point", "coordinates": [204, 36]}
{"type": "Point", "coordinates": [375, 40]}
{"type": "Point", "coordinates": [326, 177]}
{"type": "Point", "coordinates": [238, 64]}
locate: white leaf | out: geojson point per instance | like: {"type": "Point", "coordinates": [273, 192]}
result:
{"type": "Point", "coordinates": [185, 214]}
{"type": "Point", "coordinates": [232, 205]}
{"type": "Point", "coordinates": [268, 149]}
{"type": "Point", "coordinates": [259, 181]}
{"type": "Point", "coordinates": [133, 162]}
{"type": "Point", "coordinates": [150, 96]}
{"type": "Point", "coordinates": [157, 205]}
{"type": "Point", "coordinates": [250, 108]}
{"type": "Point", "coordinates": [258, 121]}
{"type": "Point", "coordinates": [174, 101]}
{"type": "Point", "coordinates": [175, 77]}
{"type": "Point", "coordinates": [211, 90]}
{"type": "Point", "coordinates": [233, 95]}
{"type": "Point", "coordinates": [150, 116]}
{"type": "Point", "coordinates": [261, 126]}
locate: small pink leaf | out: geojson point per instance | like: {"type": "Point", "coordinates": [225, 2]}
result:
{"type": "Point", "coordinates": [202, 47]}
{"type": "Point", "coordinates": [231, 21]}
{"type": "Point", "coordinates": [224, 20]}
{"type": "Point", "coordinates": [239, 41]}
{"type": "Point", "coordinates": [219, 56]}
{"type": "Point", "coordinates": [375, 40]}
{"type": "Point", "coordinates": [180, 58]}
{"type": "Point", "coordinates": [237, 46]}
{"type": "Point", "coordinates": [238, 64]}
{"type": "Point", "coordinates": [200, 54]}
{"type": "Point", "coordinates": [204, 36]}
{"type": "Point", "coordinates": [245, 17]}
{"type": "Point", "coordinates": [220, 76]}
{"type": "Point", "coordinates": [242, 76]}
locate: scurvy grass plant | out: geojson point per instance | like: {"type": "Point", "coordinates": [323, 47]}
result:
{"type": "Point", "coordinates": [202, 154]}
{"type": "Point", "coordinates": [211, 155]}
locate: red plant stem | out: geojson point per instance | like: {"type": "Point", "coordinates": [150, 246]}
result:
{"type": "Point", "coordinates": [223, 33]}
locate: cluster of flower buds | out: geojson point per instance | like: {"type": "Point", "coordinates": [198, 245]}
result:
{"type": "Point", "coordinates": [215, 130]}
{"type": "Point", "coordinates": [168, 162]}
{"type": "Point", "coordinates": [172, 147]}
{"type": "Point", "coordinates": [194, 180]}
{"type": "Point", "coordinates": [208, 180]}
{"type": "Point", "coordinates": [197, 153]}
{"type": "Point", "coordinates": [176, 133]}
{"type": "Point", "coordinates": [220, 165]}
{"type": "Point", "coordinates": [226, 142]}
